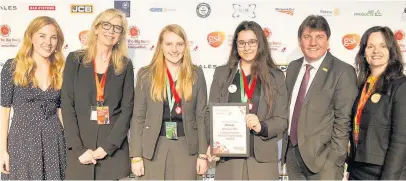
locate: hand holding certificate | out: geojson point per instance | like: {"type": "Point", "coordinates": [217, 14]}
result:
{"type": "Point", "coordinates": [229, 133]}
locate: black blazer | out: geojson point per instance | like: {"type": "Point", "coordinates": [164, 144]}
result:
{"type": "Point", "coordinates": [382, 134]}
{"type": "Point", "coordinates": [78, 95]}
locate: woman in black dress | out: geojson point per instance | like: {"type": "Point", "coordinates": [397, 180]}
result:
{"type": "Point", "coordinates": [98, 84]}
{"type": "Point", "coordinates": [34, 148]}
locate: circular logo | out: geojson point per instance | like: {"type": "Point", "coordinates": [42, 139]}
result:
{"type": "Point", "coordinates": [268, 32]}
{"type": "Point", "coordinates": [399, 35]}
{"type": "Point", "coordinates": [134, 31]}
{"type": "Point", "coordinates": [83, 37]}
{"type": "Point", "coordinates": [125, 5]}
{"type": "Point", "coordinates": [5, 30]}
{"type": "Point", "coordinates": [336, 11]}
{"type": "Point", "coordinates": [203, 10]}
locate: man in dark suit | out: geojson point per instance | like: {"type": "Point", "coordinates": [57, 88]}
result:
{"type": "Point", "coordinates": [321, 90]}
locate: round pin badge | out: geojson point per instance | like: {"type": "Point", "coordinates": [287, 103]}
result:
{"type": "Point", "coordinates": [375, 97]}
{"type": "Point", "coordinates": [232, 88]}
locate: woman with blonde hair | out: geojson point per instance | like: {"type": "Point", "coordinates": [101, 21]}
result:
{"type": "Point", "coordinates": [168, 135]}
{"type": "Point", "coordinates": [97, 102]}
{"type": "Point", "coordinates": [34, 148]}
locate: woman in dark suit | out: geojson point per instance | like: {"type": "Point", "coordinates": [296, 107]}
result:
{"type": "Point", "coordinates": [168, 137]}
{"type": "Point", "coordinates": [98, 84]}
{"type": "Point", "coordinates": [378, 144]}
{"type": "Point", "coordinates": [250, 59]}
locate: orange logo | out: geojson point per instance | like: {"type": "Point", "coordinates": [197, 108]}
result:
{"type": "Point", "coordinates": [350, 41]}
{"type": "Point", "coordinates": [5, 30]}
{"type": "Point", "coordinates": [288, 11]}
{"type": "Point", "coordinates": [399, 35]}
{"type": "Point", "coordinates": [215, 39]}
{"type": "Point", "coordinates": [83, 37]}
{"type": "Point", "coordinates": [268, 32]}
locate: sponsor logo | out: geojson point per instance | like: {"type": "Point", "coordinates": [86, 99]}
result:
{"type": "Point", "coordinates": [134, 41]}
{"type": "Point", "coordinates": [161, 10]}
{"type": "Point", "coordinates": [124, 6]}
{"type": "Point", "coordinates": [288, 11]}
{"type": "Point", "coordinates": [8, 8]}
{"type": "Point", "coordinates": [207, 66]}
{"type": "Point", "coordinates": [83, 37]}
{"type": "Point", "coordinates": [193, 46]}
{"type": "Point", "coordinates": [400, 37]}
{"type": "Point", "coordinates": [215, 39]}
{"type": "Point", "coordinates": [369, 13]}
{"type": "Point", "coordinates": [81, 8]}
{"type": "Point", "coordinates": [6, 40]}
{"type": "Point", "coordinates": [41, 8]}
{"type": "Point", "coordinates": [244, 10]}
{"type": "Point", "coordinates": [267, 32]}
{"type": "Point", "coordinates": [328, 13]}
{"type": "Point", "coordinates": [403, 16]}
{"type": "Point", "coordinates": [350, 41]}
{"type": "Point", "coordinates": [5, 30]}
{"type": "Point", "coordinates": [203, 10]}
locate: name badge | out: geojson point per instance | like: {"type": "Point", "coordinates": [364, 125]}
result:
{"type": "Point", "coordinates": [100, 114]}
{"type": "Point", "coordinates": [171, 130]}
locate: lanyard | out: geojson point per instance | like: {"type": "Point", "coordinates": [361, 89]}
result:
{"type": "Point", "coordinates": [100, 84]}
{"type": "Point", "coordinates": [171, 93]}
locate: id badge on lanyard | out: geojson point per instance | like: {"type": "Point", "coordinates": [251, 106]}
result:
{"type": "Point", "coordinates": [100, 113]}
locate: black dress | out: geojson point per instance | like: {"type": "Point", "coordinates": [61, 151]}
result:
{"type": "Point", "coordinates": [36, 142]}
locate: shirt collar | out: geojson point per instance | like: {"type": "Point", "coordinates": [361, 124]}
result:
{"type": "Point", "coordinates": [314, 64]}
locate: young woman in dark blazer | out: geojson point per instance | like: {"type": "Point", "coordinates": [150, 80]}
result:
{"type": "Point", "coordinates": [97, 102]}
{"type": "Point", "coordinates": [168, 137]}
{"type": "Point", "coordinates": [250, 59]}
{"type": "Point", "coordinates": [378, 144]}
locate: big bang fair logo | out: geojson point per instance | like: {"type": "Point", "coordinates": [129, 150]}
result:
{"type": "Point", "coordinates": [6, 40]}
{"type": "Point", "coordinates": [134, 42]}
{"type": "Point", "coordinates": [400, 37]}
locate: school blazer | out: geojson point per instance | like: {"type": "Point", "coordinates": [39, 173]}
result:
{"type": "Point", "coordinates": [147, 118]}
{"type": "Point", "coordinates": [382, 133]}
{"type": "Point", "coordinates": [265, 148]}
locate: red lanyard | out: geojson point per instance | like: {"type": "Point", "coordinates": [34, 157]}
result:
{"type": "Point", "coordinates": [100, 84]}
{"type": "Point", "coordinates": [173, 88]}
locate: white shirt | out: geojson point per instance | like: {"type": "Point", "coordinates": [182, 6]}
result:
{"type": "Point", "coordinates": [295, 91]}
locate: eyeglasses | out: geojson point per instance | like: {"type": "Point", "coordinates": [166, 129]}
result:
{"type": "Point", "coordinates": [251, 43]}
{"type": "Point", "coordinates": [107, 26]}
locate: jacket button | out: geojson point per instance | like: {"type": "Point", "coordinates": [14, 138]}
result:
{"type": "Point", "coordinates": [362, 126]}
{"type": "Point", "coordinates": [147, 127]}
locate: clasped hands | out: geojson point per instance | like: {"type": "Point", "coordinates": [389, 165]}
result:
{"type": "Point", "coordinates": [90, 156]}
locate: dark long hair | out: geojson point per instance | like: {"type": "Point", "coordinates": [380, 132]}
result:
{"type": "Point", "coordinates": [263, 60]}
{"type": "Point", "coordinates": [394, 69]}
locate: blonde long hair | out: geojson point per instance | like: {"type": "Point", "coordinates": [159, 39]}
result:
{"type": "Point", "coordinates": [156, 68]}
{"type": "Point", "coordinates": [25, 65]}
{"type": "Point", "coordinates": [120, 50]}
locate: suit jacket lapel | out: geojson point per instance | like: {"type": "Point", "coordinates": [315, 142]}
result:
{"type": "Point", "coordinates": [229, 81]}
{"type": "Point", "coordinates": [110, 73]}
{"type": "Point", "coordinates": [294, 69]}
{"type": "Point", "coordinates": [320, 78]}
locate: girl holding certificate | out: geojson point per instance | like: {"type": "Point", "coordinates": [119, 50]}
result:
{"type": "Point", "coordinates": [250, 75]}
{"type": "Point", "coordinates": [168, 136]}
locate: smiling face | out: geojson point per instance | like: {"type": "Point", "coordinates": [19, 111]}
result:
{"type": "Point", "coordinates": [173, 47]}
{"type": "Point", "coordinates": [314, 44]}
{"type": "Point", "coordinates": [108, 33]}
{"type": "Point", "coordinates": [44, 41]}
{"type": "Point", "coordinates": [247, 45]}
{"type": "Point", "coordinates": [376, 51]}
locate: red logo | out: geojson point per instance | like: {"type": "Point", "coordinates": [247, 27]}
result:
{"type": "Point", "coordinates": [134, 31]}
{"type": "Point", "coordinates": [41, 8]}
{"type": "Point", "coordinates": [268, 32]}
{"type": "Point", "coordinates": [83, 37]}
{"type": "Point", "coordinates": [350, 41]}
{"type": "Point", "coordinates": [5, 30]}
{"type": "Point", "coordinates": [399, 35]}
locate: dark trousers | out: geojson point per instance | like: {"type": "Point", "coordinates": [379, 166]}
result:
{"type": "Point", "coordinates": [364, 171]}
{"type": "Point", "coordinates": [296, 168]}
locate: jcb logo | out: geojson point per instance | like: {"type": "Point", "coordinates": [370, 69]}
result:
{"type": "Point", "coordinates": [81, 8]}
